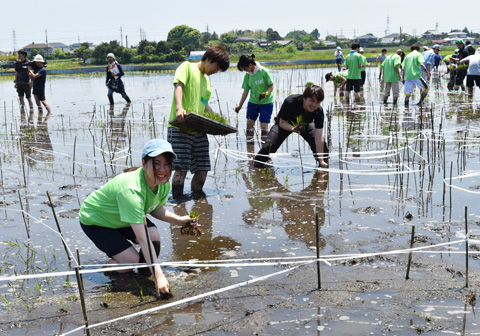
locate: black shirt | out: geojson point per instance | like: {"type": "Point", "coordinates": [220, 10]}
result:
{"type": "Point", "coordinates": [39, 82]}
{"type": "Point", "coordinates": [293, 107]}
{"type": "Point", "coordinates": [21, 68]}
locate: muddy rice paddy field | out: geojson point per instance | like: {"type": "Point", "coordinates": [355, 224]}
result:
{"type": "Point", "coordinates": [254, 269]}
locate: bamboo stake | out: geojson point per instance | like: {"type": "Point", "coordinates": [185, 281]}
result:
{"type": "Point", "coordinates": [466, 247]}
{"type": "Point", "coordinates": [58, 226]}
{"type": "Point", "coordinates": [319, 282]}
{"type": "Point", "coordinates": [412, 237]}
{"type": "Point", "coordinates": [74, 148]}
{"type": "Point", "coordinates": [23, 215]}
{"type": "Point", "coordinates": [150, 253]}
{"type": "Point", "coordinates": [82, 299]}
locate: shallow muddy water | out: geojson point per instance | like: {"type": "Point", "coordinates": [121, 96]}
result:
{"type": "Point", "coordinates": [390, 168]}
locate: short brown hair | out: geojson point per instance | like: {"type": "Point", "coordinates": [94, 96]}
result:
{"type": "Point", "coordinates": [314, 91]}
{"type": "Point", "coordinates": [217, 54]}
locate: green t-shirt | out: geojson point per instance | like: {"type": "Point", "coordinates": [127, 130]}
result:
{"type": "Point", "coordinates": [196, 89]}
{"type": "Point", "coordinates": [411, 64]}
{"type": "Point", "coordinates": [258, 84]}
{"type": "Point", "coordinates": [122, 201]}
{"type": "Point", "coordinates": [337, 80]}
{"type": "Point", "coordinates": [364, 62]}
{"type": "Point", "coordinates": [388, 66]}
{"type": "Point", "coordinates": [352, 61]}
{"type": "Point", "coordinates": [446, 59]}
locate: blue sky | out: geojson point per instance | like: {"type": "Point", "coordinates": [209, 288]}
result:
{"type": "Point", "coordinates": [97, 21]}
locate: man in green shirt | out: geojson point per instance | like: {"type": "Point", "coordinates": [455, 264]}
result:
{"type": "Point", "coordinates": [339, 81]}
{"type": "Point", "coordinates": [390, 75]}
{"type": "Point", "coordinates": [412, 76]}
{"type": "Point", "coordinates": [191, 94]}
{"type": "Point", "coordinates": [353, 63]}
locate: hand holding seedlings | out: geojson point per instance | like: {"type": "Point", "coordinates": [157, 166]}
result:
{"type": "Point", "coordinates": [192, 226]}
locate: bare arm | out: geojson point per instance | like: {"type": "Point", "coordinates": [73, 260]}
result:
{"type": "Point", "coordinates": [269, 90]}
{"type": "Point", "coordinates": [286, 125]}
{"type": "Point", "coordinates": [242, 100]}
{"type": "Point", "coordinates": [178, 96]}
{"type": "Point", "coordinates": [162, 282]}
{"type": "Point", "coordinates": [164, 215]}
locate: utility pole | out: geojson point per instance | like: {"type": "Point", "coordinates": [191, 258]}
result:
{"type": "Point", "coordinates": [207, 27]}
{"type": "Point", "coordinates": [14, 41]}
{"type": "Point", "coordinates": [126, 41]}
{"type": "Point", "coordinates": [121, 36]}
{"type": "Point", "coordinates": [46, 37]}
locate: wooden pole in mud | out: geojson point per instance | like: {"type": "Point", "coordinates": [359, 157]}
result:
{"type": "Point", "coordinates": [150, 253]}
{"type": "Point", "coordinates": [318, 250]}
{"type": "Point", "coordinates": [466, 246]}
{"type": "Point", "coordinates": [82, 299]}
{"type": "Point", "coordinates": [23, 214]}
{"type": "Point", "coordinates": [412, 237]}
{"type": "Point", "coordinates": [74, 147]}
{"type": "Point", "coordinates": [58, 226]}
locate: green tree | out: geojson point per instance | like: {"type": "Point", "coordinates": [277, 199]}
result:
{"type": "Point", "coordinates": [214, 36]}
{"type": "Point", "coordinates": [315, 34]}
{"type": "Point", "coordinates": [143, 45]}
{"type": "Point", "coordinates": [58, 53]}
{"type": "Point", "coordinates": [185, 34]}
{"type": "Point", "coordinates": [465, 30]}
{"type": "Point", "coordinates": [123, 55]}
{"type": "Point", "coordinates": [175, 45]}
{"type": "Point", "coordinates": [206, 37]}
{"type": "Point", "coordinates": [162, 48]}
{"type": "Point", "coordinates": [273, 35]}
{"type": "Point", "coordinates": [291, 49]}
{"type": "Point", "coordinates": [296, 35]}
{"type": "Point", "coordinates": [227, 38]}
{"type": "Point", "coordinates": [84, 52]}
{"type": "Point", "coordinates": [411, 40]}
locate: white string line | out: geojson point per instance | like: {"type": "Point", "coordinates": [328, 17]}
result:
{"type": "Point", "coordinates": [193, 298]}
{"type": "Point", "coordinates": [474, 174]}
{"type": "Point", "coordinates": [234, 262]}
{"type": "Point", "coordinates": [48, 227]}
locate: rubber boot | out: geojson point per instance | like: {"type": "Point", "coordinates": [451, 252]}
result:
{"type": "Point", "coordinates": [111, 100]}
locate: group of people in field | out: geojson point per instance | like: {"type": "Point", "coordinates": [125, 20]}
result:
{"type": "Point", "coordinates": [413, 70]}
{"type": "Point", "coordinates": [113, 216]}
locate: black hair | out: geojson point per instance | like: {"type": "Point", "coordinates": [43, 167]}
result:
{"type": "Point", "coordinates": [467, 42]}
{"type": "Point", "coordinates": [355, 45]}
{"type": "Point", "coordinates": [245, 61]}
{"type": "Point", "coordinates": [384, 50]}
{"type": "Point", "coordinates": [217, 54]}
{"type": "Point", "coordinates": [23, 52]}
{"type": "Point", "coordinates": [168, 156]}
{"type": "Point", "coordinates": [415, 46]}
{"type": "Point", "coordinates": [327, 76]}
{"type": "Point", "coordinates": [313, 91]}
{"type": "Point", "coordinates": [402, 55]}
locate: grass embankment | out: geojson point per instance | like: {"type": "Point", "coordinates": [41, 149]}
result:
{"type": "Point", "coordinates": [263, 56]}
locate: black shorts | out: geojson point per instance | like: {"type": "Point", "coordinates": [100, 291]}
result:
{"type": "Point", "coordinates": [24, 89]}
{"type": "Point", "coordinates": [353, 84]}
{"type": "Point", "coordinates": [364, 76]}
{"type": "Point", "coordinates": [473, 80]}
{"type": "Point", "coordinates": [112, 241]}
{"type": "Point", "coordinates": [339, 60]}
{"type": "Point", "coordinates": [39, 94]}
{"type": "Point", "coordinates": [460, 77]}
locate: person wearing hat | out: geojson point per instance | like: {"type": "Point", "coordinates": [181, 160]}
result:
{"type": "Point", "coordinates": [451, 69]}
{"type": "Point", "coordinates": [470, 48]}
{"type": "Point", "coordinates": [461, 72]}
{"type": "Point", "coordinates": [112, 216]}
{"type": "Point", "coordinates": [339, 58]}
{"type": "Point", "coordinates": [39, 76]}
{"type": "Point", "coordinates": [428, 56]}
{"type": "Point", "coordinates": [339, 81]}
{"type": "Point", "coordinates": [23, 83]}
{"type": "Point", "coordinates": [114, 79]}
{"type": "Point", "coordinates": [380, 58]}
{"type": "Point", "coordinates": [437, 58]}
{"type": "Point", "coordinates": [473, 72]}
{"type": "Point", "coordinates": [390, 74]}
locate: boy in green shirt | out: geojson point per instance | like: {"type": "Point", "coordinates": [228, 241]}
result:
{"type": "Point", "coordinates": [390, 75]}
{"type": "Point", "coordinates": [412, 76]}
{"type": "Point", "coordinates": [353, 63]}
{"type": "Point", "coordinates": [191, 94]}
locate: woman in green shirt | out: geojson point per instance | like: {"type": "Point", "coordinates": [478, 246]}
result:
{"type": "Point", "coordinates": [112, 216]}
{"type": "Point", "coordinates": [259, 83]}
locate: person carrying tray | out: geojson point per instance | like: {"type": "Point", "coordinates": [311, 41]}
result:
{"type": "Point", "coordinates": [191, 94]}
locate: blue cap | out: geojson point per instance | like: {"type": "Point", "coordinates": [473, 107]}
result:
{"type": "Point", "coordinates": [156, 147]}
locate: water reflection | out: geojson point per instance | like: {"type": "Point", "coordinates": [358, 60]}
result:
{"type": "Point", "coordinates": [36, 138]}
{"type": "Point", "coordinates": [296, 207]}
{"type": "Point", "coordinates": [205, 247]}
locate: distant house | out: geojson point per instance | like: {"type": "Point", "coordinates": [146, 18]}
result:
{"type": "Point", "coordinates": [43, 48]}
{"type": "Point", "coordinates": [366, 39]}
{"type": "Point", "coordinates": [74, 46]}
{"type": "Point", "coordinates": [330, 43]}
{"type": "Point", "coordinates": [431, 35]}
{"type": "Point", "coordinates": [457, 35]}
{"type": "Point", "coordinates": [284, 43]}
{"type": "Point", "coordinates": [63, 47]}
{"type": "Point", "coordinates": [476, 41]}
{"type": "Point", "coordinates": [195, 55]}
{"type": "Point", "coordinates": [263, 43]}
{"type": "Point", "coordinates": [440, 42]}
{"type": "Point", "coordinates": [244, 40]}
{"type": "Point", "coordinates": [393, 38]}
